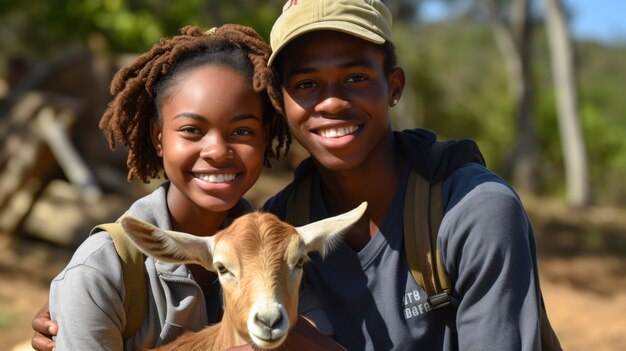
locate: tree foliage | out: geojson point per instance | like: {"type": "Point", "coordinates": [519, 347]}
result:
{"type": "Point", "coordinates": [46, 28]}
{"type": "Point", "coordinates": [457, 86]}
{"type": "Point", "coordinates": [457, 82]}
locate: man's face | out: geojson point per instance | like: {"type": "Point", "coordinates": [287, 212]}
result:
{"type": "Point", "coordinates": [337, 96]}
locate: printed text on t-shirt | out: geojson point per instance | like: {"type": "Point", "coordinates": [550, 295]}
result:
{"type": "Point", "coordinates": [413, 306]}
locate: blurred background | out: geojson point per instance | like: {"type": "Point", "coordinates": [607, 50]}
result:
{"type": "Point", "coordinates": [538, 83]}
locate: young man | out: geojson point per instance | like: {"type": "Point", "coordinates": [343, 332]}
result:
{"type": "Point", "coordinates": [337, 65]}
{"type": "Point", "coordinates": [340, 78]}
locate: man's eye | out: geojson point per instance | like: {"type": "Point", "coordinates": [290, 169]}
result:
{"type": "Point", "coordinates": [356, 78]}
{"type": "Point", "coordinates": [242, 132]}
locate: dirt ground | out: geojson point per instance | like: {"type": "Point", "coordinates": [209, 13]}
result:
{"type": "Point", "coordinates": [582, 261]}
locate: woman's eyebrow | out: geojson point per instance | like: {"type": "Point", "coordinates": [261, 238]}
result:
{"type": "Point", "coordinates": [198, 117]}
{"type": "Point", "coordinates": [190, 115]}
{"type": "Point", "coordinates": [245, 116]}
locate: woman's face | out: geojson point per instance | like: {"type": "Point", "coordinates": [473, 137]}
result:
{"type": "Point", "coordinates": [211, 139]}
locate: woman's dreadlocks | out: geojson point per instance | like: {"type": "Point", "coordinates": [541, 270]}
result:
{"type": "Point", "coordinates": [139, 89]}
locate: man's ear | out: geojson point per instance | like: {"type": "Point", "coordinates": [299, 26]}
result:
{"type": "Point", "coordinates": [156, 134]}
{"type": "Point", "coordinates": [396, 85]}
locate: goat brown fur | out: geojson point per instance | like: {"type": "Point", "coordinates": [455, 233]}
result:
{"type": "Point", "coordinates": [259, 262]}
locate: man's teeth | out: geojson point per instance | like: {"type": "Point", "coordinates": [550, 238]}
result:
{"type": "Point", "coordinates": [337, 132]}
{"type": "Point", "coordinates": [216, 178]}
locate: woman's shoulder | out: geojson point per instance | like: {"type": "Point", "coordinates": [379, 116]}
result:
{"type": "Point", "coordinates": [97, 253]}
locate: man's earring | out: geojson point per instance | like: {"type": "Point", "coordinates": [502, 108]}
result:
{"type": "Point", "coordinates": [394, 102]}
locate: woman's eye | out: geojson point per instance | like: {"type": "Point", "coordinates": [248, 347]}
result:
{"type": "Point", "coordinates": [305, 85]}
{"type": "Point", "coordinates": [190, 130]}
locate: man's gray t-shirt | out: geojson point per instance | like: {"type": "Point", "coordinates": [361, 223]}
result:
{"type": "Point", "coordinates": [488, 249]}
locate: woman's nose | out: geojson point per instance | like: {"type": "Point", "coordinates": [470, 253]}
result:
{"type": "Point", "coordinates": [217, 149]}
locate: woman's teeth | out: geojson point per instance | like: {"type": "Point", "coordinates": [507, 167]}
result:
{"type": "Point", "coordinates": [216, 178]}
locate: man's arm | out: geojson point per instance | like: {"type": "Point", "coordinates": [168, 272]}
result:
{"type": "Point", "coordinates": [488, 248]}
{"type": "Point", "coordinates": [44, 329]}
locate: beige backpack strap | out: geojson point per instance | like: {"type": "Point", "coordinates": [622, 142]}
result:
{"type": "Point", "coordinates": [132, 259]}
{"type": "Point", "coordinates": [423, 213]}
{"type": "Point", "coordinates": [298, 202]}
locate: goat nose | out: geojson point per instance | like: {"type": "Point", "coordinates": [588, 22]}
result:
{"type": "Point", "coordinates": [269, 319]}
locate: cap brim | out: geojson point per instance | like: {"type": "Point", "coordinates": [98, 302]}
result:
{"type": "Point", "coordinates": [339, 26]}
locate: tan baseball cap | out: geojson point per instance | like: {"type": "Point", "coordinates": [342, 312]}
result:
{"type": "Point", "coordinates": [366, 19]}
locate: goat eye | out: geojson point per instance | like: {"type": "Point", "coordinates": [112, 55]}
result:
{"type": "Point", "coordinates": [221, 269]}
{"type": "Point", "coordinates": [301, 262]}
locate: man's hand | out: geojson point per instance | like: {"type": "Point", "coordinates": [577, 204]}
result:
{"type": "Point", "coordinates": [303, 337]}
{"type": "Point", "coordinates": [44, 329]}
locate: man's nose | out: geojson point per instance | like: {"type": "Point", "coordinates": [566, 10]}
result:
{"type": "Point", "coordinates": [332, 102]}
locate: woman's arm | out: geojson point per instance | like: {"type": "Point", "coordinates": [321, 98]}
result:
{"type": "Point", "coordinates": [86, 298]}
{"type": "Point", "coordinates": [44, 329]}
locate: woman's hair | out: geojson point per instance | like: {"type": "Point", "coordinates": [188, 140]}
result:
{"type": "Point", "coordinates": [140, 88]}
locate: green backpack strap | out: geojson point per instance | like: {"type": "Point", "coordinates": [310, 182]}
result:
{"type": "Point", "coordinates": [423, 213]}
{"type": "Point", "coordinates": [132, 260]}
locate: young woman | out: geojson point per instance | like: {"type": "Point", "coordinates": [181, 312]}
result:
{"type": "Point", "coordinates": [201, 109]}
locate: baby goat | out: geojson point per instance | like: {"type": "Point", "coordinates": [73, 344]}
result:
{"type": "Point", "coordinates": [259, 260]}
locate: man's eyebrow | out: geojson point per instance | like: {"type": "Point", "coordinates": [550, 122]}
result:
{"type": "Point", "coordinates": [358, 63]}
{"type": "Point", "coordinates": [300, 70]}
{"type": "Point", "coordinates": [365, 63]}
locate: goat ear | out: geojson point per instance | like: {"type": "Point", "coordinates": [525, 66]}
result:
{"type": "Point", "coordinates": [324, 235]}
{"type": "Point", "coordinates": [167, 245]}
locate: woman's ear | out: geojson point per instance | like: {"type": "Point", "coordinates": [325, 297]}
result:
{"type": "Point", "coordinates": [396, 85]}
{"type": "Point", "coordinates": [156, 134]}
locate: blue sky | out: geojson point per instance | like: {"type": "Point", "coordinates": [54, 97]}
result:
{"type": "Point", "coordinates": [602, 20]}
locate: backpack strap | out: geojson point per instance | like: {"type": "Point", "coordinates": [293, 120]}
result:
{"type": "Point", "coordinates": [423, 213]}
{"type": "Point", "coordinates": [420, 236]}
{"type": "Point", "coordinates": [422, 202]}
{"type": "Point", "coordinates": [135, 297]}
{"type": "Point", "coordinates": [297, 211]}
{"type": "Point", "coordinates": [425, 262]}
